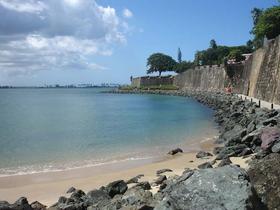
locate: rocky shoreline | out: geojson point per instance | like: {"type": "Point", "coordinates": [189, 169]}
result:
{"type": "Point", "coordinates": [245, 130]}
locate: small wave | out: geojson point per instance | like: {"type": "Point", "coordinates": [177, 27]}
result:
{"type": "Point", "coordinates": [32, 169]}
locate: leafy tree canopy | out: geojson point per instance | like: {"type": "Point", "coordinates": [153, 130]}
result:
{"type": "Point", "coordinates": [213, 44]}
{"type": "Point", "coordinates": [159, 62]}
{"type": "Point", "coordinates": [236, 54]}
{"type": "Point", "coordinates": [268, 23]}
{"type": "Point", "coordinates": [213, 56]}
{"type": "Point", "coordinates": [183, 66]}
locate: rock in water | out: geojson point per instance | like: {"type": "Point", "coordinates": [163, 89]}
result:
{"type": "Point", "coordinates": [116, 187]}
{"type": "Point", "coordinates": [203, 154]}
{"type": "Point", "coordinates": [175, 151]}
{"type": "Point", "coordinates": [265, 177]}
{"type": "Point", "coordinates": [220, 188]}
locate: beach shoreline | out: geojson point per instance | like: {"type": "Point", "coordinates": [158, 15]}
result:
{"type": "Point", "coordinates": [47, 187]}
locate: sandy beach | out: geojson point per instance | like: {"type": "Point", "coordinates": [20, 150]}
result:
{"type": "Point", "coordinates": [47, 187]}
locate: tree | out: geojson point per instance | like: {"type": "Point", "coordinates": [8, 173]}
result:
{"type": "Point", "coordinates": [213, 44]}
{"type": "Point", "coordinates": [159, 62]}
{"type": "Point", "coordinates": [183, 66]}
{"type": "Point", "coordinates": [256, 13]}
{"type": "Point", "coordinates": [236, 55]}
{"type": "Point", "coordinates": [268, 23]}
{"type": "Point", "coordinates": [179, 55]}
{"type": "Point", "coordinates": [250, 44]}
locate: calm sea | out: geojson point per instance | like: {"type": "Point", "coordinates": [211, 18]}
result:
{"type": "Point", "coordinates": [56, 129]}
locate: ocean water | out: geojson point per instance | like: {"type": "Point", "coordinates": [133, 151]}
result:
{"type": "Point", "coordinates": [56, 129]}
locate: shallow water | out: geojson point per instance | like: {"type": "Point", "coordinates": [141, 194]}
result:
{"type": "Point", "coordinates": [56, 129]}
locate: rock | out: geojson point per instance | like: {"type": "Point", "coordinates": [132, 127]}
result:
{"type": "Point", "coordinates": [224, 188]}
{"type": "Point", "coordinates": [276, 147]}
{"type": "Point", "coordinates": [269, 136]}
{"type": "Point", "coordinates": [132, 180]}
{"type": "Point", "coordinates": [231, 151]}
{"type": "Point", "coordinates": [97, 197]}
{"type": "Point", "coordinates": [271, 121]}
{"type": "Point", "coordinates": [137, 197]}
{"type": "Point", "coordinates": [4, 205]}
{"type": "Point", "coordinates": [71, 190]}
{"type": "Point", "coordinates": [37, 206]}
{"type": "Point", "coordinates": [116, 187]}
{"type": "Point", "coordinates": [21, 204]}
{"type": "Point", "coordinates": [251, 127]}
{"type": "Point", "coordinates": [213, 162]}
{"type": "Point", "coordinates": [253, 138]}
{"type": "Point", "coordinates": [203, 154]}
{"type": "Point", "coordinates": [224, 162]}
{"type": "Point", "coordinates": [234, 136]}
{"type": "Point", "coordinates": [160, 179]}
{"type": "Point", "coordinates": [205, 165]}
{"type": "Point", "coordinates": [217, 150]}
{"type": "Point", "coordinates": [265, 177]}
{"type": "Point", "coordinates": [144, 185]}
{"type": "Point", "coordinates": [162, 186]}
{"type": "Point", "coordinates": [62, 199]}
{"type": "Point", "coordinates": [161, 171]}
{"type": "Point", "coordinates": [245, 152]}
{"type": "Point", "coordinates": [175, 151]}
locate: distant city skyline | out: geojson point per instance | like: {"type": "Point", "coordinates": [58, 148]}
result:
{"type": "Point", "coordinates": [94, 42]}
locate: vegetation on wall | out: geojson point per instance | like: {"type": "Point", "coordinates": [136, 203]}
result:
{"type": "Point", "coordinates": [216, 54]}
{"type": "Point", "coordinates": [266, 24]}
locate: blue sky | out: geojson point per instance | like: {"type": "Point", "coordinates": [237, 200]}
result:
{"type": "Point", "coordinates": [87, 41]}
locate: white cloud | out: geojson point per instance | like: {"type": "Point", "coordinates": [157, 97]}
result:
{"type": "Point", "coordinates": [127, 13]}
{"type": "Point", "coordinates": [56, 34]}
{"type": "Point", "coordinates": [31, 6]}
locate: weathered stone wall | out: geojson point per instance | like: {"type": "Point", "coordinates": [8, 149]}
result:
{"type": "Point", "coordinates": [261, 75]}
{"type": "Point", "coordinates": [258, 77]}
{"type": "Point", "coordinates": [150, 81]}
{"type": "Point", "coordinates": [211, 78]}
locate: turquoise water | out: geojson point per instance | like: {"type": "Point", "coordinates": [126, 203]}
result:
{"type": "Point", "coordinates": [55, 129]}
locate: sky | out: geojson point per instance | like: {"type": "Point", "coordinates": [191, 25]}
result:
{"type": "Point", "coordinates": [45, 42]}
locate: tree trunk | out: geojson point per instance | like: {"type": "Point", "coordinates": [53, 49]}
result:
{"type": "Point", "coordinates": [159, 73]}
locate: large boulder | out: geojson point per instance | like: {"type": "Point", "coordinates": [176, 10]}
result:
{"type": "Point", "coordinates": [231, 151]}
{"type": "Point", "coordinates": [269, 136]}
{"type": "Point", "coordinates": [265, 177]}
{"type": "Point", "coordinates": [137, 197]}
{"type": "Point", "coordinates": [234, 136]}
{"type": "Point", "coordinates": [221, 188]}
{"type": "Point", "coordinates": [116, 187]}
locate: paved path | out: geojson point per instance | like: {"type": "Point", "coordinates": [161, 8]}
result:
{"type": "Point", "coordinates": [264, 104]}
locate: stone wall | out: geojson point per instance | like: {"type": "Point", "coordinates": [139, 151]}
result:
{"type": "Point", "coordinates": [261, 74]}
{"type": "Point", "coordinates": [210, 78]}
{"type": "Point", "coordinates": [152, 81]}
{"type": "Point", "coordinates": [258, 77]}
